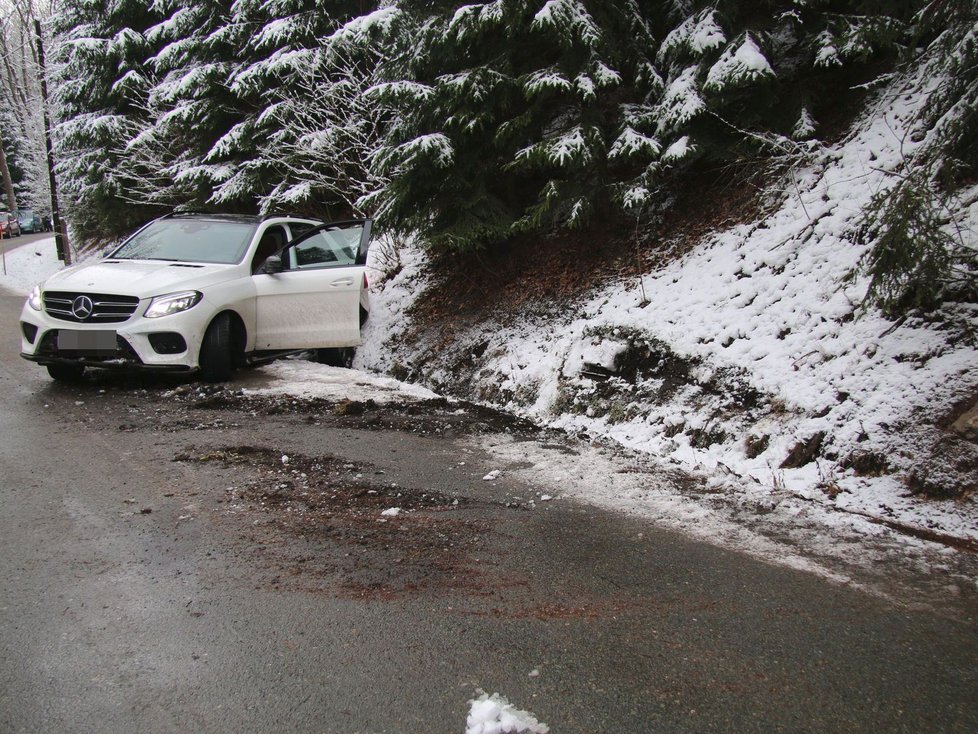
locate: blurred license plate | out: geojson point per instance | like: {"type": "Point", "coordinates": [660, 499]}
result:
{"type": "Point", "coordinates": [86, 341]}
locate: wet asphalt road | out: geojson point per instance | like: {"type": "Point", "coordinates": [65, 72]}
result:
{"type": "Point", "coordinates": [140, 592]}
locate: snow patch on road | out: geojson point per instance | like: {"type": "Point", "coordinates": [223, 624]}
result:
{"type": "Point", "coordinates": [495, 715]}
{"type": "Point", "coordinates": [304, 379]}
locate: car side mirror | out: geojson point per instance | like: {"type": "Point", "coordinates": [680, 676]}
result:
{"type": "Point", "coordinates": [273, 264]}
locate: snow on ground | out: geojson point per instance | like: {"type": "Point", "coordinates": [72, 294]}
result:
{"type": "Point", "coordinates": [26, 265]}
{"type": "Point", "coordinates": [305, 379]}
{"type": "Point", "coordinates": [761, 345]}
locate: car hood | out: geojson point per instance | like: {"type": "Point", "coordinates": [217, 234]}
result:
{"type": "Point", "coordinates": [140, 278]}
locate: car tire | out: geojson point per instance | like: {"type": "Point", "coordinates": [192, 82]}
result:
{"type": "Point", "coordinates": [66, 372]}
{"type": "Point", "coordinates": [336, 356]}
{"type": "Point", "coordinates": [216, 361]}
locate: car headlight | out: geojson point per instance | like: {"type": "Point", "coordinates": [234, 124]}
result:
{"type": "Point", "coordinates": [172, 303]}
{"type": "Point", "coordinates": [34, 299]}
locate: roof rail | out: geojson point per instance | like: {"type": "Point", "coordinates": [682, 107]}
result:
{"type": "Point", "coordinates": [293, 215]}
{"type": "Point", "coordinates": [259, 217]}
{"type": "Point", "coordinates": [206, 213]}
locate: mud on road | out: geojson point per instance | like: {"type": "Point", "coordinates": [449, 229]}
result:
{"type": "Point", "coordinates": [324, 522]}
{"type": "Point", "coordinates": [368, 536]}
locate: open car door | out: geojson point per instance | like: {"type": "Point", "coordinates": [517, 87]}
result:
{"type": "Point", "coordinates": [308, 295]}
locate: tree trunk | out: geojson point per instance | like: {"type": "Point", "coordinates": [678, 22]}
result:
{"type": "Point", "coordinates": [8, 185]}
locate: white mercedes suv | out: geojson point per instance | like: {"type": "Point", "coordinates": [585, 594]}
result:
{"type": "Point", "coordinates": [207, 292]}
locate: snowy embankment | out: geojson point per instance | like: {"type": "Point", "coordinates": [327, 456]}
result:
{"type": "Point", "coordinates": [26, 265]}
{"type": "Point", "coordinates": [749, 362]}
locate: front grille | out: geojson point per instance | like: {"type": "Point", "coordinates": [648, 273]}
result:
{"type": "Point", "coordinates": [106, 309]}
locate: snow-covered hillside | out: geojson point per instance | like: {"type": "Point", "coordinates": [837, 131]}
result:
{"type": "Point", "coordinates": [750, 360]}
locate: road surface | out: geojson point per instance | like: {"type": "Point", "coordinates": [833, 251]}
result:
{"type": "Point", "coordinates": [166, 569]}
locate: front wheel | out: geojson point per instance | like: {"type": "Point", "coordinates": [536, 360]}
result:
{"type": "Point", "coordinates": [66, 372]}
{"type": "Point", "coordinates": [216, 361]}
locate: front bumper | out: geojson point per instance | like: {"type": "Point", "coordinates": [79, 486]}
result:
{"type": "Point", "coordinates": [168, 344]}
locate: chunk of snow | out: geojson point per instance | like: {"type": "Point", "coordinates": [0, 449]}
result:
{"type": "Point", "coordinates": [492, 476]}
{"type": "Point", "coordinates": [495, 715]}
{"type": "Point", "coordinates": [391, 512]}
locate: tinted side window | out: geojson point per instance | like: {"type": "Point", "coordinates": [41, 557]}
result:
{"type": "Point", "coordinates": [334, 247]}
{"type": "Point", "coordinates": [272, 241]}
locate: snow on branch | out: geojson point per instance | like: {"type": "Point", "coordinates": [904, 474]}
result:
{"type": "Point", "coordinates": [631, 144]}
{"type": "Point", "coordinates": [190, 82]}
{"type": "Point", "coordinates": [403, 91]}
{"type": "Point", "coordinates": [695, 36]}
{"type": "Point", "coordinates": [575, 147]}
{"type": "Point", "coordinates": [180, 24]}
{"type": "Point", "coordinates": [94, 125]}
{"type": "Point", "coordinates": [681, 101]}
{"type": "Point", "coordinates": [363, 28]}
{"type": "Point", "coordinates": [327, 126]}
{"type": "Point", "coordinates": [570, 20]}
{"type": "Point", "coordinates": [545, 80]}
{"type": "Point", "coordinates": [470, 18]}
{"type": "Point", "coordinates": [435, 148]}
{"type": "Point", "coordinates": [738, 66]}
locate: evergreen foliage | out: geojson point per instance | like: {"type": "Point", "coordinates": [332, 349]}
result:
{"type": "Point", "coordinates": [920, 257]}
{"type": "Point", "coordinates": [469, 123]}
{"type": "Point", "coordinates": [910, 258]}
{"type": "Point", "coordinates": [183, 103]}
{"type": "Point", "coordinates": [101, 75]}
{"type": "Point", "coordinates": [515, 115]}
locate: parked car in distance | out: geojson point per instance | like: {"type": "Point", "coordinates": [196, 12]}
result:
{"type": "Point", "coordinates": [204, 292]}
{"type": "Point", "coordinates": [30, 221]}
{"type": "Point", "coordinates": [9, 226]}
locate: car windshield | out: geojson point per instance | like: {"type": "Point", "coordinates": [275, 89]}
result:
{"type": "Point", "coordinates": [189, 240]}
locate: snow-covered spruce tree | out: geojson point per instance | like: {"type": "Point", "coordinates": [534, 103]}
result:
{"type": "Point", "coordinates": [307, 130]}
{"type": "Point", "coordinates": [219, 134]}
{"type": "Point", "coordinates": [516, 115]}
{"type": "Point", "coordinates": [743, 80]}
{"type": "Point", "coordinates": [921, 257]}
{"type": "Point", "coordinates": [99, 77]}
{"type": "Point", "coordinates": [189, 104]}
{"type": "Point", "coordinates": [511, 116]}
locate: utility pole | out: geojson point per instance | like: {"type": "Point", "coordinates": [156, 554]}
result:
{"type": "Point", "coordinates": [60, 232]}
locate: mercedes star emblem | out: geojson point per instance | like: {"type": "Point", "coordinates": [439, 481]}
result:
{"type": "Point", "coordinates": [82, 307]}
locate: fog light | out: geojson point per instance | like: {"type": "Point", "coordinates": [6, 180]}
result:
{"type": "Point", "coordinates": [168, 342]}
